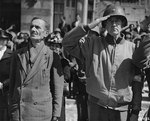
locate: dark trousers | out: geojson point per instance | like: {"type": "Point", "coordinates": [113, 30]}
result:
{"type": "Point", "coordinates": [99, 113]}
{"type": "Point", "coordinates": [81, 100]}
{"type": "Point", "coordinates": [63, 112]}
{"type": "Point", "coordinates": [4, 114]}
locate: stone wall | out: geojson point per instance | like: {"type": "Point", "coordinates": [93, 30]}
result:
{"type": "Point", "coordinates": [39, 8]}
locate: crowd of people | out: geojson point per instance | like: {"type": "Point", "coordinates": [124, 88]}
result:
{"type": "Point", "coordinates": [103, 71]}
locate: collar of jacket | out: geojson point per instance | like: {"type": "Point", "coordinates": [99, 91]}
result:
{"type": "Point", "coordinates": [110, 40]}
{"type": "Point", "coordinates": [7, 54]}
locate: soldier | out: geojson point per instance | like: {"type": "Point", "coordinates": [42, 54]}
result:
{"type": "Point", "coordinates": [109, 67]}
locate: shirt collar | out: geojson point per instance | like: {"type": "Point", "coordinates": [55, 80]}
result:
{"type": "Point", "coordinates": [110, 39]}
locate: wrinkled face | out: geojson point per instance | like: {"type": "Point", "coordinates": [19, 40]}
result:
{"type": "Point", "coordinates": [114, 26]}
{"type": "Point", "coordinates": [37, 30]}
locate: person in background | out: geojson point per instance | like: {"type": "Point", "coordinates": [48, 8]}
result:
{"type": "Point", "coordinates": [138, 30]}
{"type": "Point", "coordinates": [111, 81]}
{"type": "Point", "coordinates": [21, 40]}
{"type": "Point", "coordinates": [77, 21]}
{"type": "Point", "coordinates": [63, 26]}
{"type": "Point", "coordinates": [128, 31]}
{"type": "Point", "coordinates": [36, 79]}
{"type": "Point", "coordinates": [5, 60]}
{"type": "Point", "coordinates": [128, 36]}
{"type": "Point", "coordinates": [12, 30]}
{"type": "Point", "coordinates": [141, 59]}
{"type": "Point", "coordinates": [54, 42]}
{"type": "Point", "coordinates": [148, 28]}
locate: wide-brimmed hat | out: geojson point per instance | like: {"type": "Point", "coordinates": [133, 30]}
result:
{"type": "Point", "coordinates": [5, 35]}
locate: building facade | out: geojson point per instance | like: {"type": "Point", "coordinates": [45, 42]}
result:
{"type": "Point", "coordinates": [135, 10]}
{"type": "Point", "coordinates": [20, 12]}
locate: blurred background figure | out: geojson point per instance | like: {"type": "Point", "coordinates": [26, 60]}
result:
{"type": "Point", "coordinates": [54, 41]}
{"type": "Point", "coordinates": [148, 29]}
{"type": "Point", "coordinates": [63, 26]}
{"type": "Point", "coordinates": [138, 29]}
{"type": "Point", "coordinates": [5, 58]}
{"type": "Point", "coordinates": [128, 31]}
{"type": "Point", "coordinates": [21, 40]}
{"type": "Point", "coordinates": [77, 21]}
{"type": "Point", "coordinates": [128, 36]}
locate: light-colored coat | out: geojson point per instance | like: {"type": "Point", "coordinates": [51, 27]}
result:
{"type": "Point", "coordinates": [35, 95]}
{"type": "Point", "coordinates": [109, 67]}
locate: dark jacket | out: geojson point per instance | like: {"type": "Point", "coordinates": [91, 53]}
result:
{"type": "Point", "coordinates": [4, 77]}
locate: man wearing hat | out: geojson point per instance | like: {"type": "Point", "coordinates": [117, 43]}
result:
{"type": "Point", "coordinates": [110, 73]}
{"type": "Point", "coordinates": [5, 59]}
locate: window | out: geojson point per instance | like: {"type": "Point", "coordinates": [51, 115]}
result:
{"type": "Point", "coordinates": [67, 3]}
{"type": "Point", "coordinates": [73, 3]}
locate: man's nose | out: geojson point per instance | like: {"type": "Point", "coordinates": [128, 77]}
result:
{"type": "Point", "coordinates": [33, 28]}
{"type": "Point", "coordinates": [114, 22]}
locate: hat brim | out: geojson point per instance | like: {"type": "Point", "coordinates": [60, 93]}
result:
{"type": "Point", "coordinates": [123, 19]}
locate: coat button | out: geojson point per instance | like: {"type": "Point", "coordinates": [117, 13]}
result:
{"type": "Point", "coordinates": [35, 103]}
{"type": "Point", "coordinates": [24, 85]}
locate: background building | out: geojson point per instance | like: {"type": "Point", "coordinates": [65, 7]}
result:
{"type": "Point", "coordinates": [135, 10]}
{"type": "Point", "coordinates": [20, 12]}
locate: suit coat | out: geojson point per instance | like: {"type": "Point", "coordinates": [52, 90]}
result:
{"type": "Point", "coordinates": [4, 77]}
{"type": "Point", "coordinates": [31, 97]}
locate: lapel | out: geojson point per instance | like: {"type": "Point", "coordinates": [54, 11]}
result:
{"type": "Point", "coordinates": [23, 57]}
{"type": "Point", "coordinates": [7, 53]}
{"type": "Point", "coordinates": [38, 63]}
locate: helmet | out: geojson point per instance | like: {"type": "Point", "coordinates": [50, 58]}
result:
{"type": "Point", "coordinates": [114, 10]}
{"type": "Point", "coordinates": [5, 35]}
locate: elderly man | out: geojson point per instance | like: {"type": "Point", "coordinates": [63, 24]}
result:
{"type": "Point", "coordinates": [109, 67]}
{"type": "Point", "coordinates": [36, 79]}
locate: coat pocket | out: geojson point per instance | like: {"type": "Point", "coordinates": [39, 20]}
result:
{"type": "Point", "coordinates": [45, 75]}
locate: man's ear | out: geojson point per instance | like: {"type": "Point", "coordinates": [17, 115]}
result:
{"type": "Point", "coordinates": [46, 33]}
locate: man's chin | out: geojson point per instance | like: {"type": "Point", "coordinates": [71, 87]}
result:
{"type": "Point", "coordinates": [34, 38]}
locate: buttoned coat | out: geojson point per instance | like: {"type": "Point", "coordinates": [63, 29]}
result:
{"type": "Point", "coordinates": [31, 97]}
{"type": "Point", "coordinates": [4, 77]}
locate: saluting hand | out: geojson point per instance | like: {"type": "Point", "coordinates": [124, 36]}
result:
{"type": "Point", "coordinates": [97, 21]}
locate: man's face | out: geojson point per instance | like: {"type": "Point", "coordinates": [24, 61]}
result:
{"type": "Point", "coordinates": [114, 26]}
{"type": "Point", "coordinates": [37, 30]}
